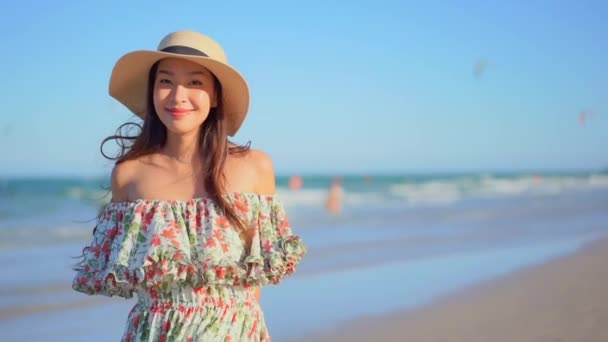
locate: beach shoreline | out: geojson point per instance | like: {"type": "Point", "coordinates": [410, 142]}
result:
{"type": "Point", "coordinates": [382, 255]}
{"type": "Point", "coordinates": [562, 300]}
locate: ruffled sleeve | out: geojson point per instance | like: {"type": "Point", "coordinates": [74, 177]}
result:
{"type": "Point", "coordinates": [275, 250]}
{"type": "Point", "coordinates": [102, 269]}
{"type": "Point", "coordinates": [163, 243]}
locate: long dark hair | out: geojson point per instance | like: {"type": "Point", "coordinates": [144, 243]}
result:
{"type": "Point", "coordinates": [214, 146]}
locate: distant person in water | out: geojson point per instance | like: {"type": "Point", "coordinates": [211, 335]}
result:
{"type": "Point", "coordinates": [194, 228]}
{"type": "Point", "coordinates": [335, 197]}
{"type": "Point", "coordinates": [295, 183]}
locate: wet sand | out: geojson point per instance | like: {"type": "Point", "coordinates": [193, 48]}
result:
{"type": "Point", "coordinates": [564, 300]}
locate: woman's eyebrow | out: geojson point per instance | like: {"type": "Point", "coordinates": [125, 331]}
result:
{"type": "Point", "coordinates": [197, 73]}
{"type": "Point", "coordinates": [166, 72]}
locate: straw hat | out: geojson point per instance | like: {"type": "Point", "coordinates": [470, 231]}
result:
{"type": "Point", "coordinates": [129, 80]}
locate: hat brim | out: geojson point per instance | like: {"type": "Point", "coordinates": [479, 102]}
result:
{"type": "Point", "coordinates": [129, 84]}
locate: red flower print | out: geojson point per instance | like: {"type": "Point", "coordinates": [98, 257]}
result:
{"type": "Point", "coordinates": [112, 279]}
{"type": "Point", "coordinates": [199, 222]}
{"type": "Point", "coordinates": [178, 256]}
{"type": "Point", "coordinates": [155, 241]}
{"type": "Point", "coordinates": [218, 235]}
{"type": "Point", "coordinates": [210, 243]}
{"type": "Point", "coordinates": [284, 227]}
{"type": "Point", "coordinates": [164, 266]}
{"type": "Point", "coordinates": [221, 273]}
{"type": "Point", "coordinates": [267, 246]}
{"type": "Point", "coordinates": [254, 328]}
{"type": "Point", "coordinates": [191, 269]}
{"type": "Point", "coordinates": [169, 233]}
{"type": "Point", "coordinates": [241, 206]}
{"type": "Point", "coordinates": [158, 272]}
{"type": "Point", "coordinates": [111, 234]}
{"type": "Point", "coordinates": [180, 269]}
{"type": "Point", "coordinates": [166, 326]}
{"type": "Point", "coordinates": [150, 274]}
{"type": "Point", "coordinates": [221, 222]}
{"type": "Point", "coordinates": [153, 294]}
{"type": "Point", "coordinates": [148, 218]}
{"type": "Point", "coordinates": [200, 290]}
{"type": "Point", "coordinates": [136, 320]}
{"type": "Point", "coordinates": [82, 281]}
{"type": "Point", "coordinates": [96, 251]}
{"type": "Point", "coordinates": [106, 247]}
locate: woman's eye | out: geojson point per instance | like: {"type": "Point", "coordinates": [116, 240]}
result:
{"type": "Point", "coordinates": [164, 81]}
{"type": "Point", "coordinates": [196, 83]}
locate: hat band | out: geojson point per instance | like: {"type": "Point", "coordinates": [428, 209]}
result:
{"type": "Point", "coordinates": [184, 50]}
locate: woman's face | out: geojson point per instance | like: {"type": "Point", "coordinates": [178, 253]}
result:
{"type": "Point", "coordinates": [184, 92]}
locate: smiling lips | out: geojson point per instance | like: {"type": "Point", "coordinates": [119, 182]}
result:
{"type": "Point", "coordinates": [178, 113]}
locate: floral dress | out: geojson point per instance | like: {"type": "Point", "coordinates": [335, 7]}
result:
{"type": "Point", "coordinates": [193, 275]}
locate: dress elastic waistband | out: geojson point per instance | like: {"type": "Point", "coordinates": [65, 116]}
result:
{"type": "Point", "coordinates": [202, 297]}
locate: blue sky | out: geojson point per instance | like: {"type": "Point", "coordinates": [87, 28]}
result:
{"type": "Point", "coordinates": [351, 86]}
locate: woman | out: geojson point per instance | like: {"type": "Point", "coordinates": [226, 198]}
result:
{"type": "Point", "coordinates": [194, 227]}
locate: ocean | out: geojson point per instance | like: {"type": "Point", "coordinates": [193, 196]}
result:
{"type": "Point", "coordinates": [399, 242]}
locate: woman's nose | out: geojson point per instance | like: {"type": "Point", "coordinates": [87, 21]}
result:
{"type": "Point", "coordinates": [180, 94]}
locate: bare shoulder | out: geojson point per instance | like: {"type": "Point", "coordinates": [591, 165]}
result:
{"type": "Point", "coordinates": [253, 171]}
{"type": "Point", "coordinates": [265, 172]}
{"type": "Point", "coordinates": [122, 179]}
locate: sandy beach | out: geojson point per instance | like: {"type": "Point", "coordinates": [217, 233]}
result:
{"type": "Point", "coordinates": [563, 300]}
